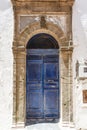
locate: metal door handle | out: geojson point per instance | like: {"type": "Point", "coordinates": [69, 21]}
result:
{"type": "Point", "coordinates": [50, 81]}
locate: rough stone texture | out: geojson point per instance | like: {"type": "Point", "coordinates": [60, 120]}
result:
{"type": "Point", "coordinates": [47, 6]}
{"type": "Point", "coordinates": [6, 67]}
{"type": "Point", "coordinates": [59, 20]}
{"type": "Point", "coordinates": [66, 83]}
{"type": "Point", "coordinates": [26, 20]}
{"type": "Point", "coordinates": [58, 24]}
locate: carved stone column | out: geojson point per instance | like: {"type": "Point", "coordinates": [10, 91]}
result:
{"type": "Point", "coordinates": [19, 86]}
{"type": "Point", "coordinates": [66, 85]}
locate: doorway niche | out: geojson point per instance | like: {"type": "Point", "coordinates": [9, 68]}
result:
{"type": "Point", "coordinates": [57, 24]}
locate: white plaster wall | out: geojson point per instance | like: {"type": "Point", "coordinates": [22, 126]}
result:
{"type": "Point", "coordinates": [80, 54]}
{"type": "Point", "coordinates": [6, 65]}
{"type": "Point", "coordinates": [4, 5]}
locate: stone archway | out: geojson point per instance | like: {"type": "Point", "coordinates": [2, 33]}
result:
{"type": "Point", "coordinates": [36, 28]}
{"type": "Point", "coordinates": [19, 50]}
{"type": "Point", "coordinates": [42, 80]}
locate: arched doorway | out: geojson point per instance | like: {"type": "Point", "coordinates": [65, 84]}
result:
{"type": "Point", "coordinates": [42, 80]}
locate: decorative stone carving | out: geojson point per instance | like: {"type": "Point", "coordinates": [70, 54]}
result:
{"type": "Point", "coordinates": [33, 17]}
{"type": "Point", "coordinates": [43, 22]}
{"type": "Point", "coordinates": [26, 20]}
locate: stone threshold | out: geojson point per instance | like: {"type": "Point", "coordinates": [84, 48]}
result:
{"type": "Point", "coordinates": [58, 126]}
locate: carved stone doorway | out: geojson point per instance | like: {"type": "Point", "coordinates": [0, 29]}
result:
{"type": "Point", "coordinates": [42, 80]}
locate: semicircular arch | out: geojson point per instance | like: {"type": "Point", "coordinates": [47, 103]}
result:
{"type": "Point", "coordinates": [35, 28]}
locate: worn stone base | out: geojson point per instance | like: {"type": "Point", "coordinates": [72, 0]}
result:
{"type": "Point", "coordinates": [46, 126]}
{"type": "Point", "coordinates": [19, 126]}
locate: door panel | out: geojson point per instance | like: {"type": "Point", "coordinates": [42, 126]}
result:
{"type": "Point", "coordinates": [31, 85]}
{"type": "Point", "coordinates": [51, 96]}
{"type": "Point", "coordinates": [34, 96]}
{"type": "Point", "coordinates": [35, 100]}
{"type": "Point", "coordinates": [51, 71]}
{"type": "Point", "coordinates": [34, 71]}
{"type": "Point", "coordinates": [42, 86]}
{"type": "Point", "coordinates": [34, 107]}
{"type": "Point", "coordinates": [50, 99]}
{"type": "Point", "coordinates": [51, 103]}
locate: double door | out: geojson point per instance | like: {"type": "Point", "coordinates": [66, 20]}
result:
{"type": "Point", "coordinates": [42, 86]}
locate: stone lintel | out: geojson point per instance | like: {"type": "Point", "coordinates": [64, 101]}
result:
{"type": "Point", "coordinates": [60, 2]}
{"type": "Point", "coordinates": [28, 9]}
{"type": "Point", "coordinates": [33, 6]}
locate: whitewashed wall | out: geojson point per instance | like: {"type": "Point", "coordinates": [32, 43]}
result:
{"type": "Point", "coordinates": [6, 65]}
{"type": "Point", "coordinates": [80, 54]}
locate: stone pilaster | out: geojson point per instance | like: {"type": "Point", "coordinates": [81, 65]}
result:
{"type": "Point", "coordinates": [20, 87]}
{"type": "Point", "coordinates": [66, 85]}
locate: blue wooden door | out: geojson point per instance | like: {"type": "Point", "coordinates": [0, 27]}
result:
{"type": "Point", "coordinates": [42, 85]}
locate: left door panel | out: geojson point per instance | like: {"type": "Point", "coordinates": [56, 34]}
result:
{"type": "Point", "coordinates": [34, 96]}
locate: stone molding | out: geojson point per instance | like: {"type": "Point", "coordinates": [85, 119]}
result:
{"type": "Point", "coordinates": [35, 28]}
{"type": "Point", "coordinates": [60, 2]}
{"type": "Point", "coordinates": [30, 6]}
{"type": "Point", "coordinates": [20, 74]}
{"type": "Point", "coordinates": [22, 36]}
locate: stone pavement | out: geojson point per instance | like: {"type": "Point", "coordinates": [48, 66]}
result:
{"type": "Point", "coordinates": [45, 127]}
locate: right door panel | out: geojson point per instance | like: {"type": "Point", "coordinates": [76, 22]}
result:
{"type": "Point", "coordinates": [51, 87]}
